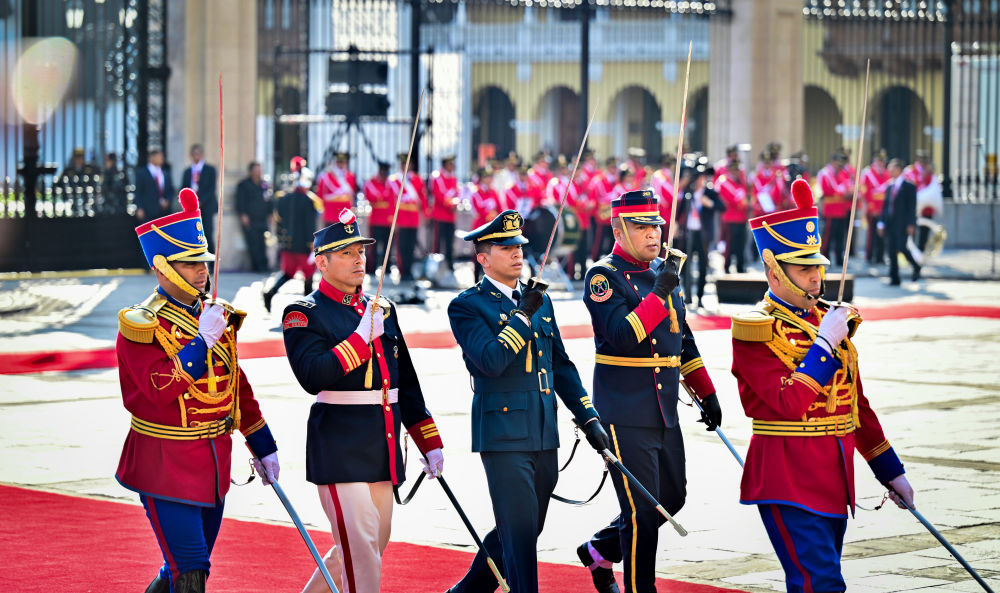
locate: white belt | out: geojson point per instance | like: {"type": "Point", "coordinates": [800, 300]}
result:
{"type": "Point", "coordinates": [354, 398]}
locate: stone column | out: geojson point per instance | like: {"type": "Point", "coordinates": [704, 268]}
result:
{"type": "Point", "coordinates": [756, 92]}
{"type": "Point", "coordinates": [206, 39]}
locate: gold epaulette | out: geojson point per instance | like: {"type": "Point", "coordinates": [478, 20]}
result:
{"type": "Point", "coordinates": [138, 323]}
{"type": "Point", "coordinates": [753, 326]}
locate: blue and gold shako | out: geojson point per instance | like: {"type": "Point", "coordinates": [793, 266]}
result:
{"type": "Point", "coordinates": [791, 236]}
{"type": "Point", "coordinates": [339, 234]}
{"type": "Point", "coordinates": [505, 229]}
{"type": "Point", "coordinates": [639, 206]}
{"type": "Point", "coordinates": [176, 237]}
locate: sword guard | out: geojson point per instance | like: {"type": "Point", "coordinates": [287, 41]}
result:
{"type": "Point", "coordinates": [536, 282]}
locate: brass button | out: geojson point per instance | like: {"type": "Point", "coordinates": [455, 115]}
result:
{"type": "Point", "coordinates": [388, 435]}
{"type": "Point", "coordinates": [387, 408]}
{"type": "Point", "coordinates": [536, 334]}
{"type": "Point", "coordinates": [792, 341]}
{"type": "Point", "coordinates": [628, 276]}
{"type": "Point", "coordinates": [802, 366]}
{"type": "Point", "coordinates": [190, 364]}
{"type": "Point", "coordinates": [385, 381]}
{"type": "Point", "coordinates": [656, 355]}
{"type": "Point", "coordinates": [635, 287]}
{"type": "Point", "coordinates": [822, 359]}
{"type": "Point", "coordinates": [656, 370]}
{"type": "Point", "coordinates": [378, 355]}
{"type": "Point", "coordinates": [361, 311]}
{"type": "Point", "coordinates": [654, 341]}
{"type": "Point", "coordinates": [505, 408]}
{"type": "Point", "coordinates": [187, 396]}
{"type": "Point", "coordinates": [658, 386]}
{"type": "Point", "coordinates": [539, 352]}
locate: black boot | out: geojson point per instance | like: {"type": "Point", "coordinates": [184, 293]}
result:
{"type": "Point", "coordinates": [604, 578]}
{"type": "Point", "coordinates": [159, 585]}
{"type": "Point", "coordinates": [192, 581]}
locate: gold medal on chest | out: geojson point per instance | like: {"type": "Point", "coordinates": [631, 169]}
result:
{"type": "Point", "coordinates": [503, 316]}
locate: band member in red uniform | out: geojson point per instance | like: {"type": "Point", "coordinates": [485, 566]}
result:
{"type": "Point", "coordinates": [874, 182]}
{"type": "Point", "coordinates": [538, 179]}
{"type": "Point", "coordinates": [837, 190]}
{"type": "Point", "coordinates": [636, 156]}
{"type": "Point", "coordinates": [337, 187]}
{"type": "Point", "coordinates": [444, 191]}
{"type": "Point", "coordinates": [382, 202]}
{"type": "Point", "coordinates": [186, 393]}
{"type": "Point", "coordinates": [663, 184]}
{"type": "Point", "coordinates": [353, 357]}
{"type": "Point", "coordinates": [412, 203]}
{"type": "Point", "coordinates": [797, 373]}
{"type": "Point", "coordinates": [734, 217]}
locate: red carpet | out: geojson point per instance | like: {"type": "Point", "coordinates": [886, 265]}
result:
{"type": "Point", "coordinates": [54, 542]}
{"type": "Point", "coordinates": [13, 363]}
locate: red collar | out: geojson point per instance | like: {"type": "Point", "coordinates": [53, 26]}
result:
{"type": "Point", "coordinates": [339, 296]}
{"type": "Point", "coordinates": [642, 265]}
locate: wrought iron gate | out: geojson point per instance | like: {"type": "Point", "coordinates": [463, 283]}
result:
{"type": "Point", "coordinates": [84, 97]}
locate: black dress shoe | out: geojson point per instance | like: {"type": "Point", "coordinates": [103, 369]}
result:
{"type": "Point", "coordinates": [604, 578]}
{"type": "Point", "coordinates": [916, 274]}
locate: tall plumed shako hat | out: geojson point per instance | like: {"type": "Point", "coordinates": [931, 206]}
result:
{"type": "Point", "coordinates": [340, 234]}
{"type": "Point", "coordinates": [791, 236]}
{"type": "Point", "coordinates": [639, 206]}
{"type": "Point", "coordinates": [176, 237]}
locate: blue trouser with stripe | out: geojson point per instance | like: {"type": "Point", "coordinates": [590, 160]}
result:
{"type": "Point", "coordinates": [655, 456]}
{"type": "Point", "coordinates": [808, 546]}
{"type": "Point", "coordinates": [186, 534]}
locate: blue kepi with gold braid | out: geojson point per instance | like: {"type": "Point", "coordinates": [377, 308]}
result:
{"type": "Point", "coordinates": [791, 236]}
{"type": "Point", "coordinates": [176, 237]}
{"type": "Point", "coordinates": [339, 234]}
{"type": "Point", "coordinates": [505, 229]}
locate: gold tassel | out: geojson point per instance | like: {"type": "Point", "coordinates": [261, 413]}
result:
{"type": "Point", "coordinates": [212, 384]}
{"type": "Point", "coordinates": [527, 361]}
{"type": "Point", "coordinates": [675, 327]}
{"type": "Point", "coordinates": [234, 378]}
{"type": "Point", "coordinates": [368, 371]}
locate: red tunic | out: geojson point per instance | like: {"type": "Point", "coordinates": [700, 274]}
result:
{"type": "Point", "coordinates": [157, 390]}
{"type": "Point", "coordinates": [444, 189]}
{"type": "Point", "coordinates": [874, 183]}
{"type": "Point", "coordinates": [663, 186]}
{"type": "Point", "coordinates": [600, 192]}
{"type": "Point", "coordinates": [487, 204]}
{"type": "Point", "coordinates": [538, 179]}
{"type": "Point", "coordinates": [769, 190]}
{"type": "Point", "coordinates": [413, 202]}
{"type": "Point", "coordinates": [836, 189]}
{"type": "Point", "coordinates": [336, 189]}
{"type": "Point", "coordinates": [785, 379]}
{"type": "Point", "coordinates": [382, 200]}
{"type": "Point", "coordinates": [735, 197]}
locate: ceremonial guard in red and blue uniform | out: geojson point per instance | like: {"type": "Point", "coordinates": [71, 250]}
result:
{"type": "Point", "coordinates": [352, 356]}
{"type": "Point", "coordinates": [644, 347]}
{"type": "Point", "coordinates": [513, 349]}
{"type": "Point", "coordinates": [181, 382]}
{"type": "Point", "coordinates": [797, 373]}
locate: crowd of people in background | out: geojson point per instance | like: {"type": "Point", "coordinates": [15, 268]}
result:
{"type": "Point", "coordinates": [897, 205]}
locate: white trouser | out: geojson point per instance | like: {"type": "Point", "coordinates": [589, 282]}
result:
{"type": "Point", "coordinates": [360, 515]}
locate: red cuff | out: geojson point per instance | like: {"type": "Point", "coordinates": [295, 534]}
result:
{"type": "Point", "coordinates": [647, 316]}
{"type": "Point", "coordinates": [699, 381]}
{"type": "Point", "coordinates": [352, 352]}
{"type": "Point", "coordinates": [425, 435]}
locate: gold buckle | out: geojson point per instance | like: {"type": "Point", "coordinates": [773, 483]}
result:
{"type": "Point", "coordinates": [543, 386]}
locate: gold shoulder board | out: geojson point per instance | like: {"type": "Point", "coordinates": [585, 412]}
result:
{"type": "Point", "coordinates": [138, 323]}
{"type": "Point", "coordinates": [752, 326]}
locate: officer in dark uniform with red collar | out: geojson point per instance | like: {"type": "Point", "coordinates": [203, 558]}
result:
{"type": "Point", "coordinates": [187, 394]}
{"type": "Point", "coordinates": [512, 347]}
{"type": "Point", "coordinates": [352, 356]}
{"type": "Point", "coordinates": [644, 346]}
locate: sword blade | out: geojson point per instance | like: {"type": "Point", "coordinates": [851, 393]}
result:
{"type": "Point", "coordinates": [718, 430]}
{"type": "Point", "coordinates": [642, 489]}
{"type": "Point", "coordinates": [947, 545]}
{"type": "Point", "coordinates": [305, 536]}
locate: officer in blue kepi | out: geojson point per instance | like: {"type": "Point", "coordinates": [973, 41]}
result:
{"type": "Point", "coordinates": [644, 346]}
{"type": "Point", "coordinates": [514, 352]}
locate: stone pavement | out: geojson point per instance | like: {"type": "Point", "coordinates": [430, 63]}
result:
{"type": "Point", "coordinates": [933, 380]}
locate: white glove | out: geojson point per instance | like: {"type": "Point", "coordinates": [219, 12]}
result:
{"type": "Point", "coordinates": [833, 328]}
{"type": "Point", "coordinates": [268, 468]}
{"type": "Point", "coordinates": [211, 324]}
{"type": "Point", "coordinates": [366, 329]}
{"type": "Point", "coordinates": [433, 463]}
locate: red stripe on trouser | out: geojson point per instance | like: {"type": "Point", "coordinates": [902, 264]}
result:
{"type": "Point", "coordinates": [790, 546]}
{"type": "Point", "coordinates": [154, 519]}
{"type": "Point", "coordinates": [344, 545]}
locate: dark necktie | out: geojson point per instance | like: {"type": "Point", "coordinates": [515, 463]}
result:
{"type": "Point", "coordinates": [516, 297]}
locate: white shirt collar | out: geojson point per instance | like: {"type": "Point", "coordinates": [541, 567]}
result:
{"type": "Point", "coordinates": [503, 288]}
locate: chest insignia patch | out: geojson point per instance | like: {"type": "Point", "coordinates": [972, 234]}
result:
{"type": "Point", "coordinates": [600, 289]}
{"type": "Point", "coordinates": [346, 300]}
{"type": "Point", "coordinates": [295, 319]}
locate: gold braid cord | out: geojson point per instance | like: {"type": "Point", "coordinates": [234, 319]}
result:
{"type": "Point", "coordinates": [168, 340]}
{"type": "Point", "coordinates": [842, 390]}
{"type": "Point", "coordinates": [772, 263]}
{"type": "Point", "coordinates": [161, 264]}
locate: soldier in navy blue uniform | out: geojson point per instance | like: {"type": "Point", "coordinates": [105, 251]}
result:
{"type": "Point", "coordinates": [352, 356]}
{"type": "Point", "coordinates": [644, 346]}
{"type": "Point", "coordinates": [514, 352]}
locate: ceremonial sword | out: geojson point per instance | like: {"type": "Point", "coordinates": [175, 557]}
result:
{"type": "Point", "coordinates": [680, 149]}
{"type": "Point", "coordinates": [628, 477]}
{"type": "Point", "coordinates": [305, 536]}
{"type": "Point", "coordinates": [857, 181]}
{"type": "Point", "coordinates": [718, 430]}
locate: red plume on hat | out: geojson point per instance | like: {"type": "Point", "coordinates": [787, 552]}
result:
{"type": "Point", "coordinates": [188, 200]}
{"type": "Point", "coordinates": [297, 163]}
{"type": "Point", "coordinates": [802, 194]}
{"type": "Point", "coordinates": [346, 216]}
